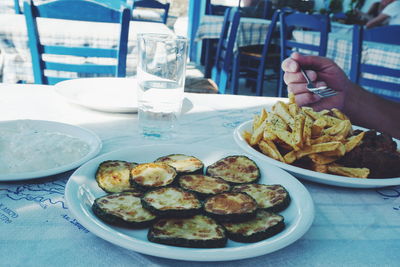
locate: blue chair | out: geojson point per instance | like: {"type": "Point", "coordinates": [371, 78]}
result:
{"type": "Point", "coordinates": [151, 4]}
{"type": "Point", "coordinates": [86, 10]}
{"type": "Point", "coordinates": [251, 64]}
{"type": "Point", "coordinates": [382, 35]}
{"type": "Point", "coordinates": [17, 8]}
{"type": "Point", "coordinates": [221, 71]}
{"type": "Point", "coordinates": [291, 21]}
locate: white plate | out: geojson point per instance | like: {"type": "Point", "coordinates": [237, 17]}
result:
{"type": "Point", "coordinates": [308, 174]}
{"type": "Point", "coordinates": [104, 94]}
{"type": "Point", "coordinates": [82, 188]}
{"type": "Point", "coordinates": [85, 135]}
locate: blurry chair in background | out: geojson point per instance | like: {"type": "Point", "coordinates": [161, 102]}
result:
{"type": "Point", "coordinates": [17, 7]}
{"type": "Point", "coordinates": [221, 71]}
{"type": "Point", "coordinates": [291, 21]}
{"type": "Point", "coordinates": [360, 72]}
{"type": "Point", "coordinates": [149, 11]}
{"type": "Point", "coordinates": [251, 63]}
{"type": "Point", "coordinates": [84, 10]}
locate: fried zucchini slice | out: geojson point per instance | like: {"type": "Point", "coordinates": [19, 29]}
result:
{"type": "Point", "coordinates": [202, 185]}
{"type": "Point", "coordinates": [113, 176]}
{"type": "Point", "coordinates": [198, 231]}
{"type": "Point", "coordinates": [123, 209]}
{"type": "Point", "coordinates": [264, 225]}
{"type": "Point", "coordinates": [171, 201]}
{"type": "Point", "coordinates": [183, 164]}
{"type": "Point", "coordinates": [148, 176]}
{"type": "Point", "coordinates": [235, 170]}
{"type": "Point", "coordinates": [230, 207]}
{"type": "Point", "coordinates": [273, 198]}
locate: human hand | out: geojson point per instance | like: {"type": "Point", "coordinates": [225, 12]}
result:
{"type": "Point", "coordinates": [323, 72]}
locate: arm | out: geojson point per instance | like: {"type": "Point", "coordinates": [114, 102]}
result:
{"type": "Point", "coordinates": [363, 108]}
{"type": "Point", "coordinates": [377, 21]}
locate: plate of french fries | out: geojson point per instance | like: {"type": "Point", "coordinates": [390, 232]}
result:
{"type": "Point", "coordinates": [307, 144]}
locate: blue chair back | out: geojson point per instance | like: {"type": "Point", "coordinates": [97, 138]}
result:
{"type": "Point", "coordinates": [291, 21]}
{"type": "Point", "coordinates": [88, 10]}
{"type": "Point", "coordinates": [154, 5]}
{"type": "Point", "coordinates": [221, 71]}
{"type": "Point", "coordinates": [17, 8]}
{"type": "Point", "coordinates": [255, 64]}
{"type": "Point", "coordinates": [385, 35]}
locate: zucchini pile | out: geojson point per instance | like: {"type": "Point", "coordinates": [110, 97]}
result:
{"type": "Point", "coordinates": [185, 204]}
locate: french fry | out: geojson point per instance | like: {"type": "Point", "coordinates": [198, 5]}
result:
{"type": "Point", "coordinates": [293, 109]}
{"type": "Point", "coordinates": [269, 148]}
{"type": "Point", "coordinates": [338, 114]}
{"type": "Point", "coordinates": [308, 122]}
{"type": "Point", "coordinates": [331, 121]}
{"type": "Point", "coordinates": [349, 172]}
{"type": "Point", "coordinates": [336, 129]}
{"type": "Point", "coordinates": [322, 168]}
{"type": "Point", "coordinates": [276, 122]}
{"type": "Point", "coordinates": [338, 152]}
{"type": "Point", "coordinates": [317, 148]}
{"type": "Point", "coordinates": [298, 130]}
{"type": "Point", "coordinates": [282, 111]}
{"type": "Point", "coordinates": [268, 135]}
{"type": "Point", "coordinates": [290, 157]}
{"type": "Point", "coordinates": [321, 159]}
{"type": "Point", "coordinates": [286, 137]}
{"type": "Point", "coordinates": [322, 139]}
{"type": "Point", "coordinates": [258, 134]}
{"type": "Point", "coordinates": [353, 141]}
{"type": "Point", "coordinates": [291, 97]}
{"type": "Point", "coordinates": [258, 119]}
{"type": "Point", "coordinates": [318, 126]}
{"type": "Point", "coordinates": [246, 136]}
{"type": "Point", "coordinates": [342, 134]}
{"type": "Point", "coordinates": [310, 112]}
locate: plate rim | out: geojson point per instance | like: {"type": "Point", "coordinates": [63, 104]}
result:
{"type": "Point", "coordinates": [323, 178]}
{"type": "Point", "coordinates": [60, 88]}
{"type": "Point", "coordinates": [93, 152]}
{"type": "Point", "coordinates": [304, 217]}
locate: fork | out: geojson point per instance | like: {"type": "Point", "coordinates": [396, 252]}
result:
{"type": "Point", "coordinates": [322, 91]}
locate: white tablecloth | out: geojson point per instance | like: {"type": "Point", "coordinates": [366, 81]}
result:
{"type": "Point", "coordinates": [352, 227]}
{"type": "Point", "coordinates": [15, 61]}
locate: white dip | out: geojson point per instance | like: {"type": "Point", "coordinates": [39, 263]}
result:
{"type": "Point", "coordinates": [23, 148]}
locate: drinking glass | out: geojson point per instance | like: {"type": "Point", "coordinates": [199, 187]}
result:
{"type": "Point", "coordinates": [161, 80]}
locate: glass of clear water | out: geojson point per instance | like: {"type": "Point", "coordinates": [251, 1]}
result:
{"type": "Point", "coordinates": [161, 80]}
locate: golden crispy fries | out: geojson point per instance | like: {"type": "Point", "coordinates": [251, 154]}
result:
{"type": "Point", "coordinates": [258, 119]}
{"type": "Point", "coordinates": [349, 172]}
{"type": "Point", "coordinates": [338, 114]}
{"type": "Point", "coordinates": [258, 134]}
{"type": "Point", "coordinates": [308, 123]}
{"type": "Point", "coordinates": [276, 122]}
{"type": "Point", "coordinates": [321, 159]}
{"type": "Point", "coordinates": [247, 136]}
{"type": "Point", "coordinates": [289, 133]}
{"type": "Point", "coordinates": [338, 152]}
{"type": "Point", "coordinates": [298, 129]}
{"type": "Point", "coordinates": [320, 168]}
{"type": "Point", "coordinates": [318, 126]}
{"type": "Point", "coordinates": [291, 97]}
{"type": "Point", "coordinates": [268, 147]}
{"type": "Point", "coordinates": [282, 111]}
{"type": "Point", "coordinates": [353, 141]}
{"type": "Point", "coordinates": [317, 148]}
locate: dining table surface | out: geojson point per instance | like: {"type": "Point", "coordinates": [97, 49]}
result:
{"type": "Point", "coordinates": [351, 226]}
{"type": "Point", "coordinates": [15, 58]}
